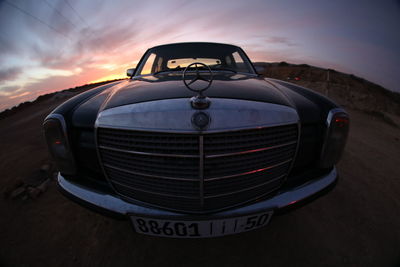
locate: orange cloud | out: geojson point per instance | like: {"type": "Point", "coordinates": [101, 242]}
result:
{"type": "Point", "coordinates": [19, 95]}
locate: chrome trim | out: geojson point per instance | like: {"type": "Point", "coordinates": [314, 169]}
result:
{"type": "Point", "coordinates": [249, 172]}
{"type": "Point", "coordinates": [115, 204]}
{"type": "Point", "coordinates": [148, 153]}
{"type": "Point", "coordinates": [248, 188]}
{"type": "Point", "coordinates": [174, 115]}
{"type": "Point", "coordinates": [249, 151]}
{"type": "Point", "coordinates": [150, 175]}
{"type": "Point", "coordinates": [263, 126]}
{"type": "Point", "coordinates": [201, 170]}
{"type": "Point", "coordinates": [152, 192]}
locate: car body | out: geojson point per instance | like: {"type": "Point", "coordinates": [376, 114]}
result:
{"type": "Point", "coordinates": [196, 143]}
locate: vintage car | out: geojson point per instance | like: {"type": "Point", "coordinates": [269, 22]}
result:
{"type": "Point", "coordinates": [196, 143]}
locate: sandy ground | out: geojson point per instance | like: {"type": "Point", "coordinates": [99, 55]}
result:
{"type": "Point", "coordinates": [357, 224]}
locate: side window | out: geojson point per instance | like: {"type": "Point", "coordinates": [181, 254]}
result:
{"type": "Point", "coordinates": [147, 68]}
{"type": "Point", "coordinates": [240, 65]}
{"type": "Point", "coordinates": [237, 58]}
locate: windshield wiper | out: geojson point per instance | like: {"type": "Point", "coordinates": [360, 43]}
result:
{"type": "Point", "coordinates": [224, 69]}
{"type": "Point", "coordinates": [161, 71]}
{"type": "Point", "coordinates": [169, 70]}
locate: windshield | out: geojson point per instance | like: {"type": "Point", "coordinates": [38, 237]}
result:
{"type": "Point", "coordinates": [177, 57]}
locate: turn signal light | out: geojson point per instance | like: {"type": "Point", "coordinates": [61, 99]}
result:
{"type": "Point", "coordinates": [337, 129]}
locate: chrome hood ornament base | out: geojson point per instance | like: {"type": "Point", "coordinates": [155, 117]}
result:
{"type": "Point", "coordinates": [200, 102]}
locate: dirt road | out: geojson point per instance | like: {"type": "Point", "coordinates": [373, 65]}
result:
{"type": "Point", "coordinates": [357, 224]}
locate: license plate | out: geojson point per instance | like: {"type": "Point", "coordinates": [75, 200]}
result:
{"type": "Point", "coordinates": [199, 228]}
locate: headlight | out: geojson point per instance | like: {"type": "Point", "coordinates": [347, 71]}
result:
{"type": "Point", "coordinates": [337, 128]}
{"type": "Point", "coordinates": [57, 141]}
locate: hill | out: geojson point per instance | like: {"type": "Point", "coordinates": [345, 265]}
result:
{"type": "Point", "coordinates": [346, 90]}
{"type": "Point", "coordinates": [64, 94]}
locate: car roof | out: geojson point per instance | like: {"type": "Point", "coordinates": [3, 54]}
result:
{"type": "Point", "coordinates": [192, 43]}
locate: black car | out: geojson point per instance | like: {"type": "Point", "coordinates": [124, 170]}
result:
{"type": "Point", "coordinates": [196, 143]}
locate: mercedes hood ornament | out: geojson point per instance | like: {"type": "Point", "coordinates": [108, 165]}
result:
{"type": "Point", "coordinates": [199, 82]}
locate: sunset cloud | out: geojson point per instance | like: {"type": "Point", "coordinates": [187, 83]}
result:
{"type": "Point", "coordinates": [280, 40]}
{"type": "Point", "coordinates": [9, 74]}
{"type": "Point", "coordinates": [19, 95]}
{"type": "Point", "coordinates": [8, 90]}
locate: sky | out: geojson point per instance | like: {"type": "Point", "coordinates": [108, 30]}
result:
{"type": "Point", "coordinates": [50, 45]}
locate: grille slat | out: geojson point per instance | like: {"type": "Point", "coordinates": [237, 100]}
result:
{"type": "Point", "coordinates": [179, 168]}
{"type": "Point", "coordinates": [152, 191]}
{"type": "Point", "coordinates": [149, 142]}
{"type": "Point", "coordinates": [148, 153]}
{"type": "Point", "coordinates": [148, 175]}
{"type": "Point", "coordinates": [242, 174]}
{"type": "Point", "coordinates": [245, 181]}
{"type": "Point", "coordinates": [226, 166]}
{"type": "Point", "coordinates": [250, 151]}
{"type": "Point", "coordinates": [167, 169]}
{"type": "Point", "coordinates": [247, 140]}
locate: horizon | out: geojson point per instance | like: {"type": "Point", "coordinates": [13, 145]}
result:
{"type": "Point", "coordinates": [118, 79]}
{"type": "Point", "coordinates": [49, 46]}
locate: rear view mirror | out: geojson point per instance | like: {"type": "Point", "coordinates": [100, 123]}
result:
{"type": "Point", "coordinates": [130, 72]}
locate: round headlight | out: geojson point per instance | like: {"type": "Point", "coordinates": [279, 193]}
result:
{"type": "Point", "coordinates": [57, 142]}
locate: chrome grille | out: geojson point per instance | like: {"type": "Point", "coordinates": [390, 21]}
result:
{"type": "Point", "coordinates": [197, 173]}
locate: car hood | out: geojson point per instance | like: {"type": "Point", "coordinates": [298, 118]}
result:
{"type": "Point", "coordinates": [171, 86]}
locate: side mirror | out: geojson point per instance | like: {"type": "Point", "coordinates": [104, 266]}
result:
{"type": "Point", "coordinates": [260, 69]}
{"type": "Point", "coordinates": [130, 72]}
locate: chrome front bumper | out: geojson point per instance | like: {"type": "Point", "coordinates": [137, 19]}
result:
{"type": "Point", "coordinates": [115, 205]}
